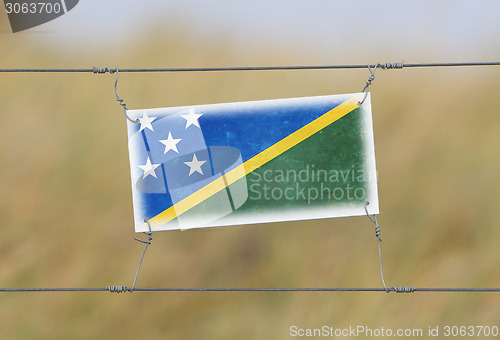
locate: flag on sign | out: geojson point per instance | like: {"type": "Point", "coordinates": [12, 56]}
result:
{"type": "Point", "coordinates": [252, 162]}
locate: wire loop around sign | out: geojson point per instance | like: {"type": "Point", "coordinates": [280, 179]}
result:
{"type": "Point", "coordinates": [102, 70]}
{"type": "Point", "coordinates": [147, 242]}
{"type": "Point", "coordinates": [373, 218]}
{"type": "Point", "coordinates": [385, 66]}
{"type": "Point", "coordinates": [377, 234]}
{"type": "Point", "coordinates": [118, 99]}
{"type": "Point", "coordinates": [368, 83]}
{"type": "Point", "coordinates": [122, 289]}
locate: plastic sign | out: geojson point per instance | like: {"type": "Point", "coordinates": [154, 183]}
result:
{"type": "Point", "coordinates": [252, 162]}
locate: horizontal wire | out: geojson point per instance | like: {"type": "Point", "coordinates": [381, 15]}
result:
{"type": "Point", "coordinates": [125, 289]}
{"type": "Point", "coordinates": [248, 68]}
{"type": "Point", "coordinates": [119, 289]}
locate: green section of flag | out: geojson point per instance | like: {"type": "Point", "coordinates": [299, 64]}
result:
{"type": "Point", "coordinates": [325, 169]}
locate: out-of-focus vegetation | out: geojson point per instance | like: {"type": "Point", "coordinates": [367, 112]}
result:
{"type": "Point", "coordinates": [66, 208]}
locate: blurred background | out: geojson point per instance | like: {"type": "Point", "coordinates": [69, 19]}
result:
{"type": "Point", "coordinates": [65, 199]}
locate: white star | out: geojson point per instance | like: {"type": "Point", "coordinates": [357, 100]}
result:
{"type": "Point", "coordinates": [195, 165]}
{"type": "Point", "coordinates": [149, 169]}
{"type": "Point", "coordinates": [170, 143]}
{"type": "Point", "coordinates": [146, 122]}
{"type": "Point", "coordinates": [192, 118]}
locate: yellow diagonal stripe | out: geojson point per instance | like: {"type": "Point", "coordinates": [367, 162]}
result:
{"type": "Point", "coordinates": [255, 162]}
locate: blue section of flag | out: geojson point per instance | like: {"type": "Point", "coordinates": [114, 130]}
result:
{"type": "Point", "coordinates": [191, 137]}
{"type": "Point", "coordinates": [252, 130]}
{"type": "Point", "coordinates": [182, 181]}
{"type": "Point", "coordinates": [167, 145]}
{"type": "Point", "coordinates": [151, 204]}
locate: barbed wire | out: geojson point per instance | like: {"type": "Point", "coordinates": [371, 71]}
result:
{"type": "Point", "coordinates": [121, 289]}
{"type": "Point", "coordinates": [398, 65]}
{"type": "Point", "coordinates": [371, 67]}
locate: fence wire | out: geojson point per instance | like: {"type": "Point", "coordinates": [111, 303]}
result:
{"type": "Point", "coordinates": [397, 65]}
{"type": "Point", "coordinates": [123, 289]}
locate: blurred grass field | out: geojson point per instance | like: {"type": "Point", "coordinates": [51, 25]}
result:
{"type": "Point", "coordinates": [66, 207]}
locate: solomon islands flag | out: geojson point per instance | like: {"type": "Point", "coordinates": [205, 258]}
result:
{"type": "Point", "coordinates": [252, 162]}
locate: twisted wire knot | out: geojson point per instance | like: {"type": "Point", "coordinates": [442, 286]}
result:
{"type": "Point", "coordinates": [118, 289]}
{"type": "Point", "coordinates": [374, 221]}
{"type": "Point", "coordinates": [403, 289]}
{"type": "Point", "coordinates": [392, 66]}
{"type": "Point", "coordinates": [148, 241]}
{"type": "Point", "coordinates": [370, 78]}
{"type": "Point", "coordinates": [103, 70]}
{"type": "Point", "coordinates": [378, 231]}
{"type": "Point", "coordinates": [385, 66]}
{"type": "Point", "coordinates": [369, 81]}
